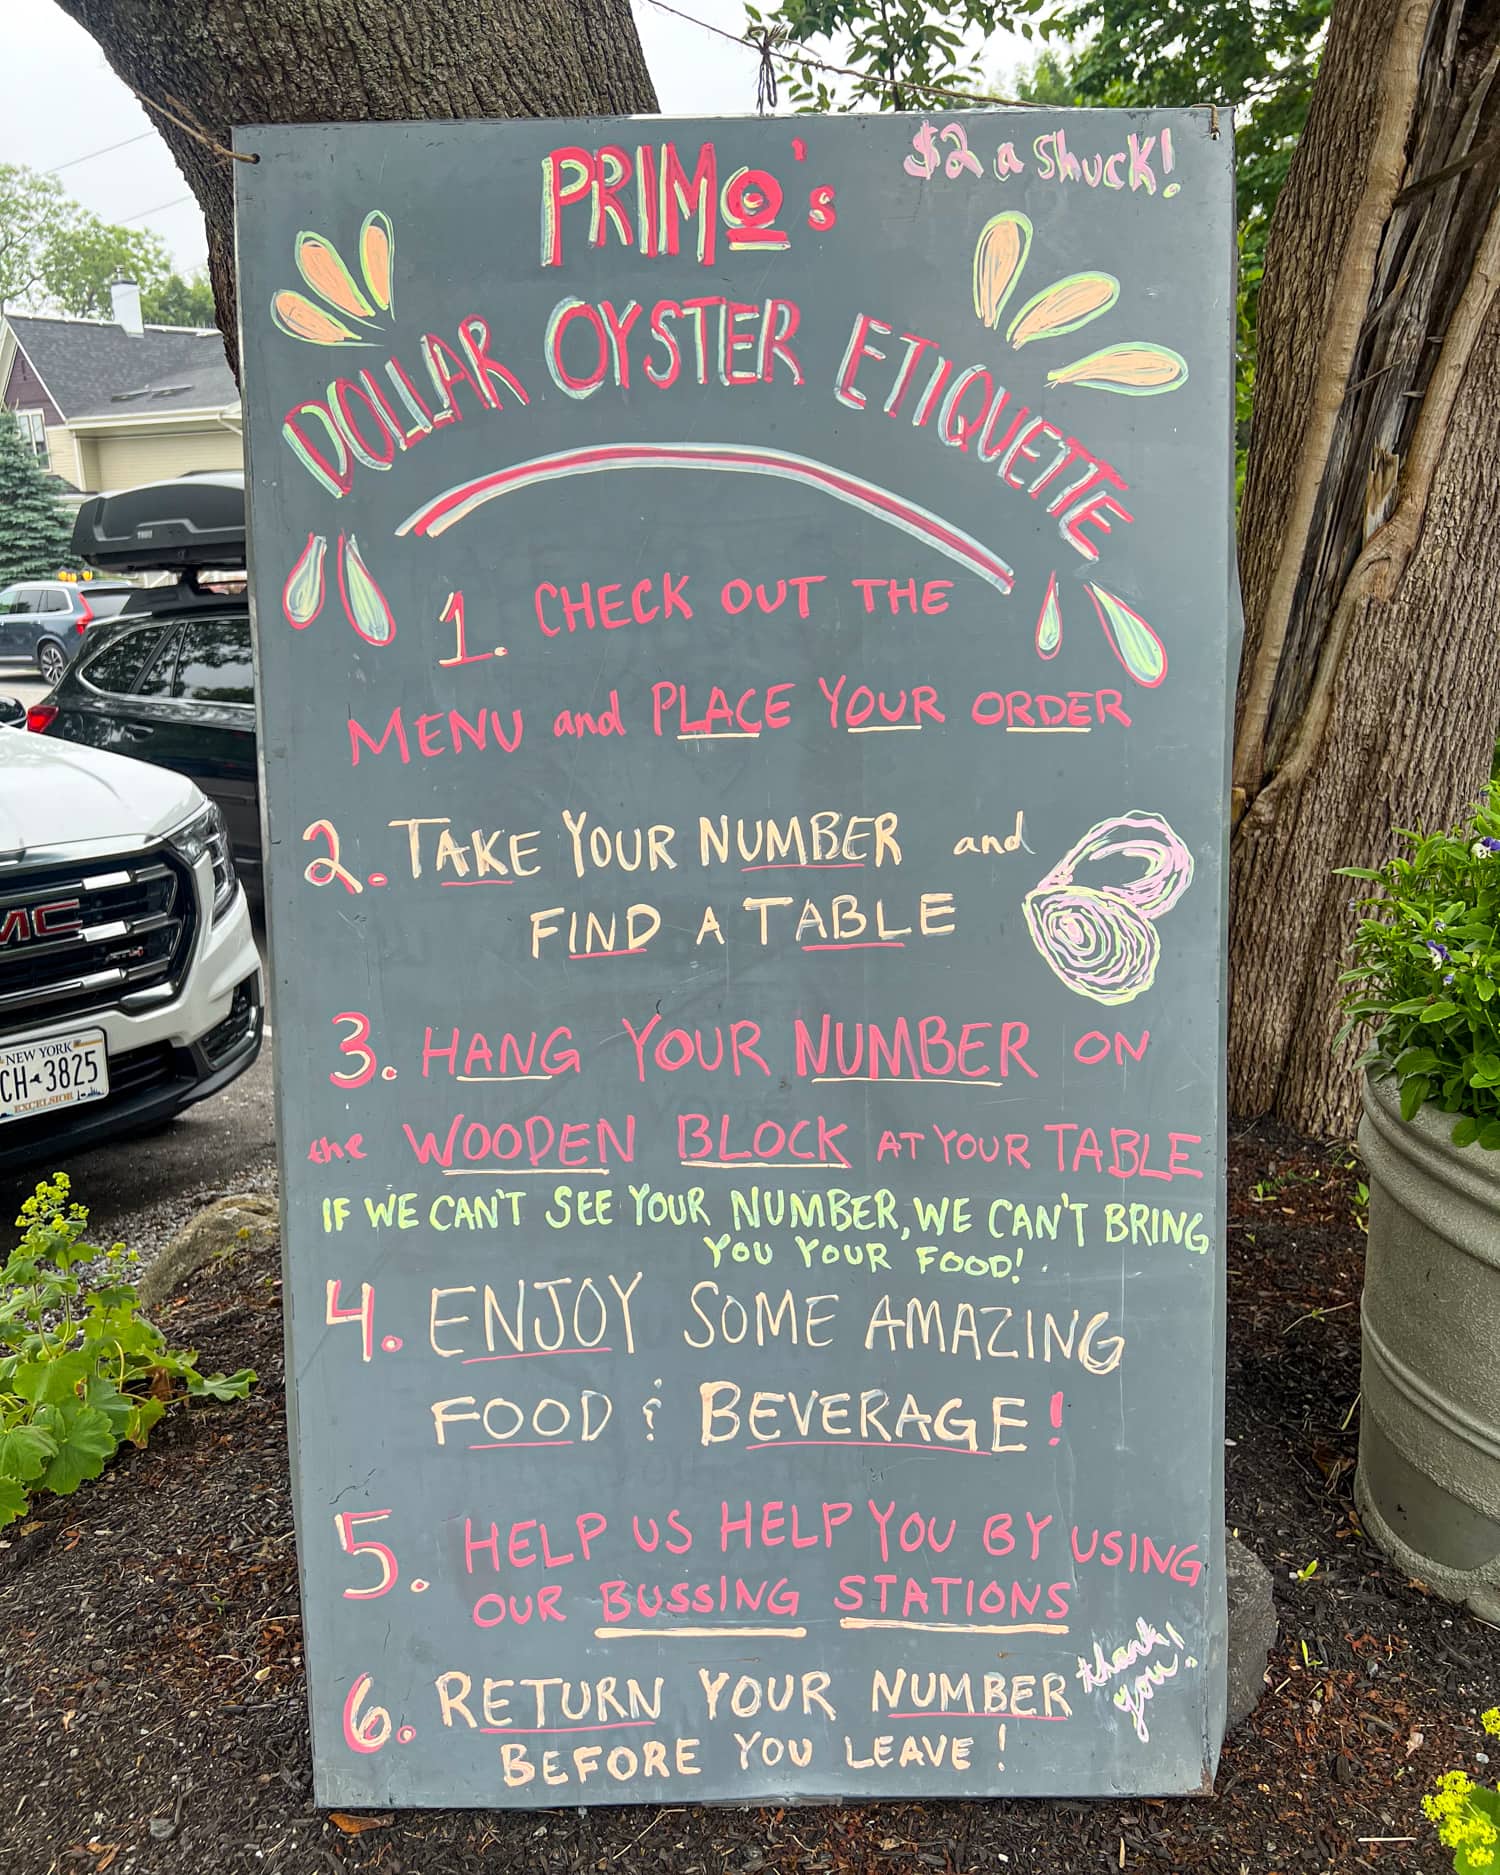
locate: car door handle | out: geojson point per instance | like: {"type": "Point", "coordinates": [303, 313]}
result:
{"type": "Point", "coordinates": [134, 733]}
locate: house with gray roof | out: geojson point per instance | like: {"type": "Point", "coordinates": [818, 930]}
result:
{"type": "Point", "coordinates": [108, 404]}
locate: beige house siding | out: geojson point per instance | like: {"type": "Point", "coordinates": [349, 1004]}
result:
{"type": "Point", "coordinates": [122, 460]}
{"type": "Point", "coordinates": [62, 455]}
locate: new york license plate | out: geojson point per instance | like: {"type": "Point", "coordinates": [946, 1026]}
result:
{"type": "Point", "coordinates": [62, 1071]}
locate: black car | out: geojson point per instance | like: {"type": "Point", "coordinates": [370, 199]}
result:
{"type": "Point", "coordinates": [174, 686]}
{"type": "Point", "coordinates": [171, 680]}
{"type": "Point", "coordinates": [42, 621]}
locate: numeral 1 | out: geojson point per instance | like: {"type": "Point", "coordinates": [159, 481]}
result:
{"type": "Point", "coordinates": [453, 614]}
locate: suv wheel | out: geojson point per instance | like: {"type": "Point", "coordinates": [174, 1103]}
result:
{"type": "Point", "coordinates": [50, 661]}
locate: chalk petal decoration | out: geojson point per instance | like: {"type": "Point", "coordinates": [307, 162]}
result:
{"type": "Point", "coordinates": [1132, 368]}
{"type": "Point", "coordinates": [322, 267]}
{"type": "Point", "coordinates": [296, 315]}
{"type": "Point", "coordinates": [364, 603]}
{"type": "Point", "coordinates": [999, 255]}
{"type": "Point", "coordinates": [1132, 640]}
{"type": "Point", "coordinates": [1049, 623]}
{"type": "Point", "coordinates": [377, 257]}
{"type": "Point", "coordinates": [1063, 307]}
{"type": "Point", "coordinates": [1101, 941]}
{"type": "Point", "coordinates": [302, 595]}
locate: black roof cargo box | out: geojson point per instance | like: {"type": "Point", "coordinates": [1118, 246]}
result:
{"type": "Point", "coordinates": [195, 521]}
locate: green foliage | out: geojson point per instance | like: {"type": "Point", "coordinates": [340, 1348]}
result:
{"type": "Point", "coordinates": [85, 256]}
{"type": "Point", "coordinates": [1046, 80]}
{"type": "Point", "coordinates": [179, 302]}
{"type": "Point", "coordinates": [35, 535]}
{"type": "Point", "coordinates": [1425, 962]}
{"type": "Point", "coordinates": [80, 1373]}
{"type": "Point", "coordinates": [1467, 1814]}
{"type": "Point", "coordinates": [33, 209]}
{"type": "Point", "coordinates": [1260, 56]}
{"type": "Point", "coordinates": [55, 254]}
{"type": "Point", "coordinates": [900, 47]}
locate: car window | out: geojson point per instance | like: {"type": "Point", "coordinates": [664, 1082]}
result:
{"type": "Point", "coordinates": [156, 679]}
{"type": "Point", "coordinates": [105, 604]}
{"type": "Point", "coordinates": [27, 599]}
{"type": "Point", "coordinates": [214, 663]}
{"type": "Point", "coordinates": [53, 601]}
{"type": "Point", "coordinates": [114, 668]}
{"type": "Point", "coordinates": [10, 601]}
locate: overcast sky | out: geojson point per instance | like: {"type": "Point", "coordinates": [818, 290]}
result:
{"type": "Point", "coordinates": [62, 102]}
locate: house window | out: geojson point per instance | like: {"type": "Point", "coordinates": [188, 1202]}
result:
{"type": "Point", "coordinates": [33, 433]}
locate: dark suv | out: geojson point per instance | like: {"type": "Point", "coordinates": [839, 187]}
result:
{"type": "Point", "coordinates": [170, 680]}
{"type": "Point", "coordinates": [42, 621]}
{"type": "Point", "coordinates": [175, 687]}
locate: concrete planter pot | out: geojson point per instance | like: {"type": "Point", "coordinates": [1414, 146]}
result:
{"type": "Point", "coordinates": [1428, 1483]}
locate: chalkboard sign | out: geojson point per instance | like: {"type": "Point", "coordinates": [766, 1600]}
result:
{"type": "Point", "coordinates": [755, 1332]}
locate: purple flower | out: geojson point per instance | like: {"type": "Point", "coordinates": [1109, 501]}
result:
{"type": "Point", "coordinates": [1490, 845]}
{"type": "Point", "coordinates": [1439, 952]}
{"type": "Point", "coordinates": [1449, 977]}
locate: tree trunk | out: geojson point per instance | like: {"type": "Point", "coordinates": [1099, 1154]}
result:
{"type": "Point", "coordinates": [1369, 554]}
{"type": "Point", "coordinates": [213, 64]}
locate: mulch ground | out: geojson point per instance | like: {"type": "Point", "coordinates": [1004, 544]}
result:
{"type": "Point", "coordinates": [151, 1687]}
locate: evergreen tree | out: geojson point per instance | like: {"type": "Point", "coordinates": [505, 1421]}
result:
{"type": "Point", "coordinates": [35, 535]}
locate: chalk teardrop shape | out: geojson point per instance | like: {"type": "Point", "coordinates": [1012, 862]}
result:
{"type": "Point", "coordinates": [296, 315]}
{"type": "Point", "coordinates": [302, 595]}
{"type": "Point", "coordinates": [364, 602]}
{"type": "Point", "coordinates": [322, 267]}
{"type": "Point", "coordinates": [999, 255]}
{"type": "Point", "coordinates": [1132, 368]}
{"type": "Point", "coordinates": [1049, 623]}
{"type": "Point", "coordinates": [1063, 307]}
{"type": "Point", "coordinates": [377, 257]}
{"type": "Point", "coordinates": [1132, 640]}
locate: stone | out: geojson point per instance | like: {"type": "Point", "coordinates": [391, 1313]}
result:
{"type": "Point", "coordinates": [1253, 1628]}
{"type": "Point", "coordinates": [241, 1221]}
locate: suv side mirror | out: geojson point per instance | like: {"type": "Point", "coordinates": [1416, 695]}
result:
{"type": "Point", "coordinates": [12, 713]}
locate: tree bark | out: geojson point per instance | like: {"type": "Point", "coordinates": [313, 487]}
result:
{"type": "Point", "coordinates": [1369, 556]}
{"type": "Point", "coordinates": [214, 64]}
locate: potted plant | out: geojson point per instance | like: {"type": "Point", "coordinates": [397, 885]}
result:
{"type": "Point", "coordinates": [1426, 975]}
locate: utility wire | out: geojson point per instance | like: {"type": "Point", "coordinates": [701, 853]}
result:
{"type": "Point", "coordinates": [161, 207]}
{"type": "Point", "coordinates": [74, 161]}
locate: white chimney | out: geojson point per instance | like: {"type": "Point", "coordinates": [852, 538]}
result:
{"type": "Point", "coordinates": [125, 299]}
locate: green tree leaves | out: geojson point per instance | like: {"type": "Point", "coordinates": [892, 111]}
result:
{"type": "Point", "coordinates": [179, 302]}
{"type": "Point", "coordinates": [33, 211]}
{"type": "Point", "coordinates": [85, 256]}
{"type": "Point", "coordinates": [55, 255]}
{"type": "Point", "coordinates": [1260, 56]}
{"type": "Point", "coordinates": [901, 48]}
{"type": "Point", "coordinates": [36, 537]}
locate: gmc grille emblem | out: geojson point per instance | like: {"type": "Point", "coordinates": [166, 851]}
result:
{"type": "Point", "coordinates": [24, 923]}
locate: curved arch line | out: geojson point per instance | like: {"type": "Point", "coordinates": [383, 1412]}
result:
{"type": "Point", "coordinates": [452, 506]}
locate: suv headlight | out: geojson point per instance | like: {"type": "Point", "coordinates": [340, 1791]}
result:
{"type": "Point", "coordinates": [208, 833]}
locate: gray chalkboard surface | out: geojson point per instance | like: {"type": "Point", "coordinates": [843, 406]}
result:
{"type": "Point", "coordinates": [755, 1330]}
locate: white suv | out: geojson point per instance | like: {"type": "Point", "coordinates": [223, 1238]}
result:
{"type": "Point", "coordinates": [129, 981]}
